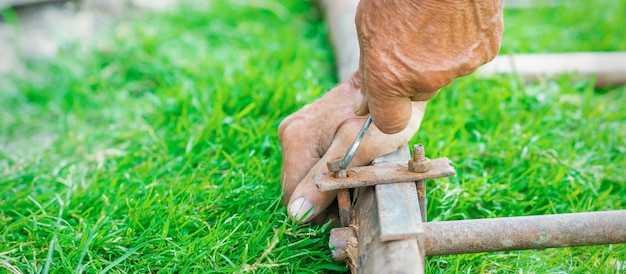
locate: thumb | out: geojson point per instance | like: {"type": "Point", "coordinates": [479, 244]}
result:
{"type": "Point", "coordinates": [390, 114]}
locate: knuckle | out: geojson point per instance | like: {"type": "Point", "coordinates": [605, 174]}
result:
{"type": "Point", "coordinates": [285, 128]}
{"type": "Point", "coordinates": [290, 129]}
{"type": "Point", "coordinates": [282, 128]}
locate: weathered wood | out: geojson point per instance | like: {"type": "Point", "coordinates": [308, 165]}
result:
{"type": "Point", "coordinates": [375, 255]}
{"type": "Point", "coordinates": [383, 174]}
{"type": "Point", "coordinates": [339, 17]}
{"type": "Point", "coordinates": [398, 211]}
{"type": "Point", "coordinates": [609, 68]}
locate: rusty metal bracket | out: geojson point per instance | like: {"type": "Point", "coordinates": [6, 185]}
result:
{"type": "Point", "coordinates": [389, 233]}
{"type": "Point", "coordinates": [399, 200]}
{"type": "Point", "coordinates": [382, 174]}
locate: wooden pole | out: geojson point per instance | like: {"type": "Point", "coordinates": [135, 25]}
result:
{"type": "Point", "coordinates": [609, 68]}
{"type": "Point", "coordinates": [339, 15]}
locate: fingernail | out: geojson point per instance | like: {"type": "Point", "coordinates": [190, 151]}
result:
{"type": "Point", "coordinates": [301, 210]}
{"type": "Point", "coordinates": [358, 102]}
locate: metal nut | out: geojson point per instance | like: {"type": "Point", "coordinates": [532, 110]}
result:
{"type": "Point", "coordinates": [419, 166]}
{"type": "Point", "coordinates": [419, 162]}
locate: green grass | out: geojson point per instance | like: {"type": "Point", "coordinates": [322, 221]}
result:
{"type": "Point", "coordinates": [571, 26]}
{"type": "Point", "coordinates": [164, 155]}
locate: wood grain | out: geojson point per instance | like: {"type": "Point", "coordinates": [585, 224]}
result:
{"type": "Point", "coordinates": [375, 255]}
{"type": "Point", "coordinates": [398, 211]}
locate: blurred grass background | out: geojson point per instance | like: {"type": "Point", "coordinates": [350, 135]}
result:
{"type": "Point", "coordinates": [155, 150]}
{"type": "Point", "coordinates": [565, 26]}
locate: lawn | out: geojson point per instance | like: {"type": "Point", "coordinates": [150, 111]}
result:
{"type": "Point", "coordinates": [155, 148]}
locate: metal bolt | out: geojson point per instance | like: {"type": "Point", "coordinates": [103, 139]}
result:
{"type": "Point", "coordinates": [342, 239]}
{"type": "Point", "coordinates": [333, 166]}
{"type": "Point", "coordinates": [418, 152]}
{"type": "Point", "coordinates": [344, 202]}
{"type": "Point", "coordinates": [419, 162]}
{"type": "Point", "coordinates": [343, 195]}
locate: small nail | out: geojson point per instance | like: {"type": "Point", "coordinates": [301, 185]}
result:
{"type": "Point", "coordinates": [301, 210]}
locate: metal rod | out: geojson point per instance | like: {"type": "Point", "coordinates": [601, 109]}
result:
{"type": "Point", "coordinates": [355, 145]}
{"type": "Point", "coordinates": [344, 204]}
{"type": "Point", "coordinates": [518, 233]}
{"type": "Point", "coordinates": [421, 197]}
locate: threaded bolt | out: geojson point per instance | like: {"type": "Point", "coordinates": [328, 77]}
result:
{"type": "Point", "coordinates": [419, 162]}
{"type": "Point", "coordinates": [418, 152]}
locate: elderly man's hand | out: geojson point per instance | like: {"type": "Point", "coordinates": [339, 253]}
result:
{"type": "Point", "coordinates": [412, 48]}
{"type": "Point", "coordinates": [322, 131]}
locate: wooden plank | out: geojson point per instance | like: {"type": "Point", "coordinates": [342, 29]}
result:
{"type": "Point", "coordinates": [382, 174]}
{"type": "Point", "coordinates": [398, 211]}
{"type": "Point", "coordinates": [339, 16]}
{"type": "Point", "coordinates": [609, 68]}
{"type": "Point", "coordinates": [20, 3]}
{"type": "Point", "coordinates": [373, 254]}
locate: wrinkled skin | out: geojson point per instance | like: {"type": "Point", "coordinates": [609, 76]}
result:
{"type": "Point", "coordinates": [322, 131]}
{"type": "Point", "coordinates": [412, 48]}
{"type": "Point", "coordinates": [409, 50]}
